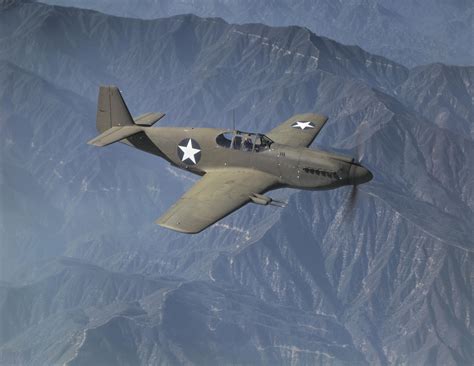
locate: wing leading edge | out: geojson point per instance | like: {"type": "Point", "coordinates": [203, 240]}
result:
{"type": "Point", "coordinates": [298, 131]}
{"type": "Point", "coordinates": [215, 196]}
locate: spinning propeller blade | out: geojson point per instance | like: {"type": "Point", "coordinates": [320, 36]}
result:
{"type": "Point", "coordinates": [359, 151]}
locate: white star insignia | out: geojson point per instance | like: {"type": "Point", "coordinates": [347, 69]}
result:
{"type": "Point", "coordinates": [189, 152]}
{"type": "Point", "coordinates": [302, 124]}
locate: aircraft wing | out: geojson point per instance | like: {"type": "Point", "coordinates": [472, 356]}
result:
{"type": "Point", "coordinates": [299, 131]}
{"type": "Point", "coordinates": [215, 196]}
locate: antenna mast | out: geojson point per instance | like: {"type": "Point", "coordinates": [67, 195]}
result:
{"type": "Point", "coordinates": [233, 119]}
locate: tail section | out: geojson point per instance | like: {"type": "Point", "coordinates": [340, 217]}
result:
{"type": "Point", "coordinates": [111, 109]}
{"type": "Point", "coordinates": [114, 121]}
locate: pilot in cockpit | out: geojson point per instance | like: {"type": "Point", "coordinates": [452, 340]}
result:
{"type": "Point", "coordinates": [248, 144]}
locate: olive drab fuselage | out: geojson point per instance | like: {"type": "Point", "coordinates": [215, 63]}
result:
{"type": "Point", "coordinates": [296, 167]}
{"type": "Point", "coordinates": [236, 167]}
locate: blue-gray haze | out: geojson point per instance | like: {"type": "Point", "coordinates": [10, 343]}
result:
{"type": "Point", "coordinates": [407, 31]}
{"type": "Point", "coordinates": [88, 279]}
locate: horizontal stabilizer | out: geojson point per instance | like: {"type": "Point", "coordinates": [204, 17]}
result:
{"type": "Point", "coordinates": [148, 119]}
{"type": "Point", "coordinates": [114, 134]}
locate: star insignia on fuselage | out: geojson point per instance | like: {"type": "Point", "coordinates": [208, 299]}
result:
{"type": "Point", "coordinates": [189, 151]}
{"type": "Point", "coordinates": [303, 124]}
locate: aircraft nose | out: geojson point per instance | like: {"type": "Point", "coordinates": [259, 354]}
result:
{"type": "Point", "coordinates": [359, 175]}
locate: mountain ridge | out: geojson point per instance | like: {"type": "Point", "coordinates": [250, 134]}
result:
{"type": "Point", "coordinates": [379, 286]}
{"type": "Point", "coordinates": [411, 33]}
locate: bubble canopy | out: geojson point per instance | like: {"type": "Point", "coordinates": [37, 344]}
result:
{"type": "Point", "coordinates": [245, 141]}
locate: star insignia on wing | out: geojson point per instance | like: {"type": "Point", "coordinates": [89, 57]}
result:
{"type": "Point", "coordinates": [189, 150]}
{"type": "Point", "coordinates": [303, 125]}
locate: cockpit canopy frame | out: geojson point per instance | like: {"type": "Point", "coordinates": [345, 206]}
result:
{"type": "Point", "coordinates": [244, 141]}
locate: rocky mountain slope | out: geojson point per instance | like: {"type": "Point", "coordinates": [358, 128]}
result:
{"type": "Point", "coordinates": [410, 32]}
{"type": "Point", "coordinates": [88, 278]}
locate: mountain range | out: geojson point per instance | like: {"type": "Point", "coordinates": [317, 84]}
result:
{"type": "Point", "coordinates": [409, 32]}
{"type": "Point", "coordinates": [87, 278]}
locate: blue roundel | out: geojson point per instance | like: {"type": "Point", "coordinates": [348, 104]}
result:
{"type": "Point", "coordinates": [189, 151]}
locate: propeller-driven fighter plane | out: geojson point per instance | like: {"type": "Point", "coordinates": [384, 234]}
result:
{"type": "Point", "coordinates": [236, 167]}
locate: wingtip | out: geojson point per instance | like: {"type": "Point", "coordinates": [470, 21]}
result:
{"type": "Point", "coordinates": [94, 142]}
{"type": "Point", "coordinates": [176, 228]}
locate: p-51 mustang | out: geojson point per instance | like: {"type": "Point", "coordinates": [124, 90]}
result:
{"type": "Point", "coordinates": [236, 167]}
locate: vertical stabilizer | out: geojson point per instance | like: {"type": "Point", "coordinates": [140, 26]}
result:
{"type": "Point", "coordinates": [111, 109]}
